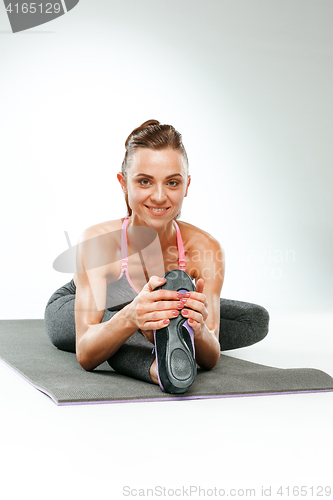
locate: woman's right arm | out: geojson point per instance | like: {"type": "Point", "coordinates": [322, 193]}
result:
{"type": "Point", "coordinates": [95, 341]}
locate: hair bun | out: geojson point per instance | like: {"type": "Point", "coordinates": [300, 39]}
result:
{"type": "Point", "coordinates": [148, 123]}
{"type": "Point", "coordinates": [137, 130]}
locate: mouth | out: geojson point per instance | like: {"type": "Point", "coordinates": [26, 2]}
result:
{"type": "Point", "coordinates": [157, 210]}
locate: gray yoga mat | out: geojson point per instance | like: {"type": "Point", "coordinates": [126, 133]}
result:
{"type": "Point", "coordinates": [25, 347]}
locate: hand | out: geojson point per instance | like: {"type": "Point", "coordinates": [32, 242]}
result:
{"type": "Point", "coordinates": [152, 309]}
{"type": "Point", "coordinates": [197, 314]}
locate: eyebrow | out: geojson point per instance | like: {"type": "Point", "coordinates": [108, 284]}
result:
{"type": "Point", "coordinates": [152, 177]}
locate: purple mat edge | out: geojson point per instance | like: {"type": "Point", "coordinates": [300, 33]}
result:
{"type": "Point", "coordinates": [152, 400]}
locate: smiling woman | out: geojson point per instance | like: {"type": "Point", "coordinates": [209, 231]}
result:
{"type": "Point", "coordinates": [159, 149]}
{"type": "Point", "coordinates": [155, 184]}
{"type": "Point", "coordinates": [140, 292]}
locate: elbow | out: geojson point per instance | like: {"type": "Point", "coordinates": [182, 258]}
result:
{"type": "Point", "coordinates": [83, 358]}
{"type": "Point", "coordinates": [84, 362]}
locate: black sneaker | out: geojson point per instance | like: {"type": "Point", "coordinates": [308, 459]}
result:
{"type": "Point", "coordinates": [174, 344]}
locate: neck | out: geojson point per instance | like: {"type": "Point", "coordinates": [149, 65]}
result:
{"type": "Point", "coordinates": [167, 233]}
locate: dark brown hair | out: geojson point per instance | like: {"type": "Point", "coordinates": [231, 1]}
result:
{"type": "Point", "coordinates": [152, 135]}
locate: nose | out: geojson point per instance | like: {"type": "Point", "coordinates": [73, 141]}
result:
{"type": "Point", "coordinates": [158, 195]}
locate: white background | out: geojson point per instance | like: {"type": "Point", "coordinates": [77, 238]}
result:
{"type": "Point", "coordinates": [249, 85]}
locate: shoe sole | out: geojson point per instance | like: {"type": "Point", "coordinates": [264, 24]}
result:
{"type": "Point", "coordinates": [174, 344]}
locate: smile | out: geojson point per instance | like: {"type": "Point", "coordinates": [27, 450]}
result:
{"type": "Point", "coordinates": [157, 211]}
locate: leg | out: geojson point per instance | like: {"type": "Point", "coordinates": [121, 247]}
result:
{"type": "Point", "coordinates": [59, 318]}
{"type": "Point", "coordinates": [134, 358]}
{"type": "Point", "coordinates": [241, 324]}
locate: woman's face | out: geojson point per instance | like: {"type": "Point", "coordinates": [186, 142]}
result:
{"type": "Point", "coordinates": [157, 182]}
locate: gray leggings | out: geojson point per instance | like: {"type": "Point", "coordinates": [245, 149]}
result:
{"type": "Point", "coordinates": [241, 325]}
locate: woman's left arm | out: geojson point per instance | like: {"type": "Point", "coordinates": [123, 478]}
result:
{"type": "Point", "coordinates": [204, 304]}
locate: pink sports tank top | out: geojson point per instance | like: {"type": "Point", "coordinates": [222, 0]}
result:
{"type": "Point", "coordinates": [122, 291]}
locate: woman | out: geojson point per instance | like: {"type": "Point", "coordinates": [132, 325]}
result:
{"type": "Point", "coordinates": [111, 308]}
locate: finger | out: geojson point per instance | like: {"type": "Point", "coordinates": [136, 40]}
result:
{"type": "Point", "coordinates": [156, 325]}
{"type": "Point", "coordinates": [193, 315]}
{"type": "Point", "coordinates": [193, 324]}
{"type": "Point", "coordinates": [157, 295]}
{"type": "Point", "coordinates": [191, 298]}
{"type": "Point", "coordinates": [167, 305]}
{"type": "Point", "coordinates": [160, 315]}
{"type": "Point", "coordinates": [196, 327]}
{"type": "Point", "coordinates": [196, 305]}
{"type": "Point", "coordinates": [199, 309]}
{"type": "Point", "coordinates": [153, 283]}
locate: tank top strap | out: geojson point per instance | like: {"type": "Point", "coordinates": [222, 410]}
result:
{"type": "Point", "coordinates": [181, 251]}
{"type": "Point", "coordinates": [124, 255]}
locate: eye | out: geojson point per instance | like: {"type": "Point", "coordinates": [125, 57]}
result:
{"type": "Point", "coordinates": [173, 183]}
{"type": "Point", "coordinates": [144, 182]}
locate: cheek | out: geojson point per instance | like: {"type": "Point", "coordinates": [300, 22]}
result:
{"type": "Point", "coordinates": [177, 199]}
{"type": "Point", "coordinates": [136, 195]}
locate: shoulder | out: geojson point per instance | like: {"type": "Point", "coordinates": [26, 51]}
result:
{"type": "Point", "coordinates": [204, 256]}
{"type": "Point", "coordinates": [195, 238]}
{"type": "Point", "coordinates": [100, 229]}
{"type": "Point", "coordinates": [99, 245]}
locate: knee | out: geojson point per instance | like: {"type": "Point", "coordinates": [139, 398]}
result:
{"type": "Point", "coordinates": [51, 326]}
{"type": "Point", "coordinates": [61, 333]}
{"type": "Point", "coordinates": [259, 318]}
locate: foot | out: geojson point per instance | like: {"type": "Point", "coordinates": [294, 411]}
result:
{"type": "Point", "coordinates": [174, 344]}
{"type": "Point", "coordinates": [153, 372]}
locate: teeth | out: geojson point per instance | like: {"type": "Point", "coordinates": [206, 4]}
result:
{"type": "Point", "coordinates": [158, 209]}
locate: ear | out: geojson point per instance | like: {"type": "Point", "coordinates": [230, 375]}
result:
{"type": "Point", "coordinates": [188, 183]}
{"type": "Point", "coordinates": [122, 182]}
